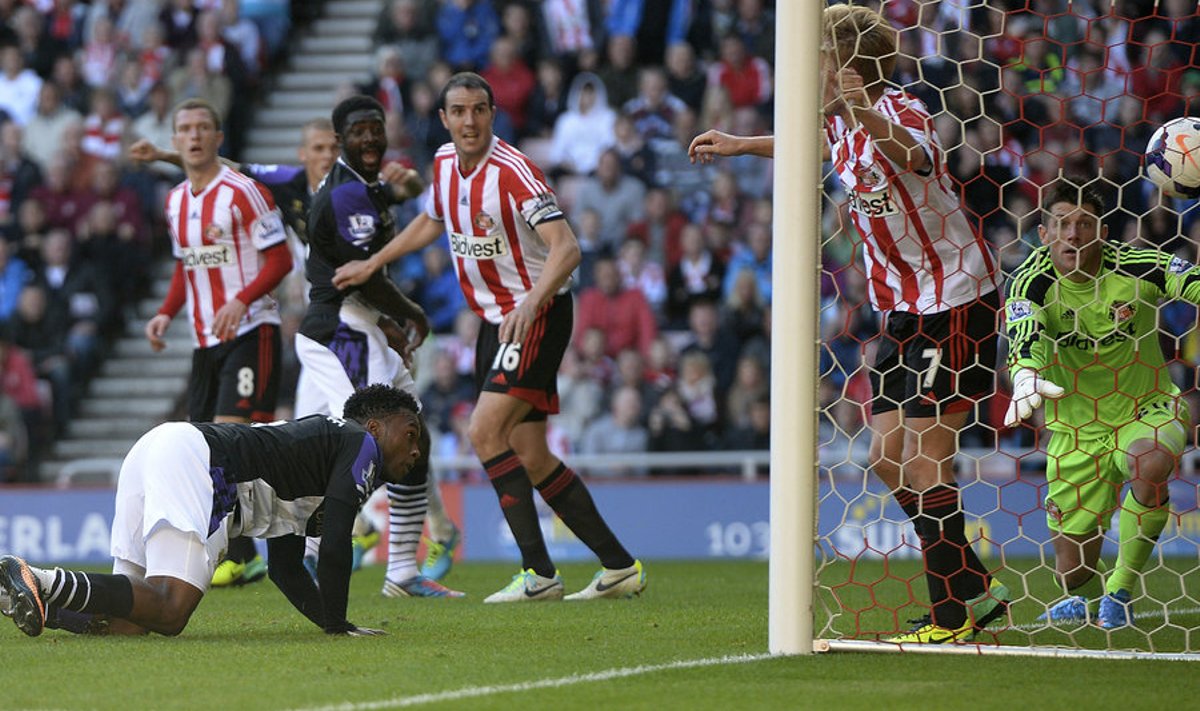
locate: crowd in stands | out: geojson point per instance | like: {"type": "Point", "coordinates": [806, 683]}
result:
{"type": "Point", "coordinates": [79, 225]}
{"type": "Point", "coordinates": [672, 338]}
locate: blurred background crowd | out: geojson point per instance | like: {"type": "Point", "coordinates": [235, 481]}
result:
{"type": "Point", "coordinates": [672, 336]}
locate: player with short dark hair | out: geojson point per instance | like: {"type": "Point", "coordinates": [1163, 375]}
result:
{"type": "Point", "coordinates": [1082, 319]}
{"type": "Point", "coordinates": [231, 249]}
{"type": "Point", "coordinates": [347, 340]}
{"type": "Point", "coordinates": [184, 487]}
{"type": "Point", "coordinates": [514, 253]}
{"type": "Point", "coordinates": [934, 279]}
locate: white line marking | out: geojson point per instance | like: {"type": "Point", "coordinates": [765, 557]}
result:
{"type": "Point", "coordinates": [477, 691]}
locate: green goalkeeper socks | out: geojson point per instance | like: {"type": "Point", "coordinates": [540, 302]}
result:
{"type": "Point", "coordinates": [1139, 528]}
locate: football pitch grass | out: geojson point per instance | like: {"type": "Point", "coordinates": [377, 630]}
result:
{"type": "Point", "coordinates": [697, 639]}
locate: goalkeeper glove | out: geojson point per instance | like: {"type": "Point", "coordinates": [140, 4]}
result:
{"type": "Point", "coordinates": [1028, 390]}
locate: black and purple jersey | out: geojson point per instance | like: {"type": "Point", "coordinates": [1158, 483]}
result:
{"type": "Point", "coordinates": [350, 219]}
{"type": "Point", "coordinates": [289, 186]}
{"type": "Point", "coordinates": [274, 478]}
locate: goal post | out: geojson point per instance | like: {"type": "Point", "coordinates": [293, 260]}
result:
{"type": "Point", "coordinates": [795, 278]}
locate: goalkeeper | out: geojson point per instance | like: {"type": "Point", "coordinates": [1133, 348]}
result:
{"type": "Point", "coordinates": [1082, 323]}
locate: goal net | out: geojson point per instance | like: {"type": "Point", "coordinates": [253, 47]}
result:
{"type": "Point", "coordinates": [1021, 95]}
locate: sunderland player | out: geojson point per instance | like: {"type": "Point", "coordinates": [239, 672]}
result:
{"type": "Point", "coordinates": [184, 486]}
{"type": "Point", "coordinates": [293, 187]}
{"type": "Point", "coordinates": [934, 279]}
{"type": "Point", "coordinates": [514, 253]}
{"type": "Point", "coordinates": [231, 247]}
{"type": "Point", "coordinates": [1082, 319]}
{"type": "Point", "coordinates": [347, 340]}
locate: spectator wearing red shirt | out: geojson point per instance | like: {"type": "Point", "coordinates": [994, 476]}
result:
{"type": "Point", "coordinates": [512, 81]}
{"type": "Point", "coordinates": [746, 78]}
{"type": "Point", "coordinates": [623, 315]}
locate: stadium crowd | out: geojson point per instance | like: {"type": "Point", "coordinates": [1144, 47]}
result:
{"type": "Point", "coordinates": [671, 344]}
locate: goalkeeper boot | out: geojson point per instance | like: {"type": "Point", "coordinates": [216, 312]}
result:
{"type": "Point", "coordinates": [1068, 610]}
{"type": "Point", "coordinates": [227, 573]}
{"type": "Point", "coordinates": [20, 586]}
{"type": "Point", "coordinates": [613, 584]}
{"type": "Point", "coordinates": [1116, 610]}
{"type": "Point", "coordinates": [439, 556]}
{"type": "Point", "coordinates": [988, 606]}
{"type": "Point", "coordinates": [528, 586]}
{"type": "Point", "coordinates": [361, 546]}
{"type": "Point", "coordinates": [418, 586]}
{"type": "Point", "coordinates": [253, 571]}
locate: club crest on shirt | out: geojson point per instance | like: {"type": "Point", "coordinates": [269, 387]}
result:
{"type": "Point", "coordinates": [361, 227]}
{"type": "Point", "coordinates": [213, 233]}
{"type": "Point", "coordinates": [867, 176]}
{"type": "Point", "coordinates": [1121, 312]}
{"type": "Point", "coordinates": [484, 221]}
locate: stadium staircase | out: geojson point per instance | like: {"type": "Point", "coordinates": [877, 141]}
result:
{"type": "Point", "coordinates": [137, 388]}
{"type": "Point", "coordinates": [335, 50]}
{"type": "Point", "coordinates": [134, 390]}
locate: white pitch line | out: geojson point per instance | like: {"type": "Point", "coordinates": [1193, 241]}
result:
{"type": "Point", "coordinates": [471, 692]}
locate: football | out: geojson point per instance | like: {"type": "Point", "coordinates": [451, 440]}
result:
{"type": "Point", "coordinates": [1173, 158]}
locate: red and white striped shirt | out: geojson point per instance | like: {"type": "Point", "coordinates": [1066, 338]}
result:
{"type": "Point", "coordinates": [489, 215]}
{"type": "Point", "coordinates": [921, 254]}
{"type": "Point", "coordinates": [219, 235]}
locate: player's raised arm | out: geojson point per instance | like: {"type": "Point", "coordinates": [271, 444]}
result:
{"type": "Point", "coordinates": [419, 233]}
{"type": "Point", "coordinates": [714, 143]}
{"type": "Point", "coordinates": [894, 139]}
{"type": "Point", "coordinates": [143, 151]}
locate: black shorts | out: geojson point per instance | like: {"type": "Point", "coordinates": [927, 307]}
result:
{"type": "Point", "coordinates": [527, 370]}
{"type": "Point", "coordinates": [238, 378]}
{"type": "Point", "coordinates": [936, 363]}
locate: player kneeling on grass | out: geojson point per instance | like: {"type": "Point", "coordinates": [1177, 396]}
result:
{"type": "Point", "coordinates": [185, 487]}
{"type": "Point", "coordinates": [1082, 320]}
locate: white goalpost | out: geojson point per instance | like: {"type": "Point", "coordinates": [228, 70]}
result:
{"type": "Point", "coordinates": [795, 275]}
{"type": "Point", "coordinates": [845, 567]}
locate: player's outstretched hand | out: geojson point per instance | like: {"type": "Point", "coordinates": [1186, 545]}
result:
{"type": "Point", "coordinates": [1029, 389]}
{"type": "Point", "coordinates": [713, 143]}
{"type": "Point", "coordinates": [143, 151]}
{"type": "Point", "coordinates": [352, 274]}
{"type": "Point", "coordinates": [405, 181]}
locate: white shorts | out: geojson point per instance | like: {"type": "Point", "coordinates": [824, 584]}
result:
{"type": "Point", "coordinates": [324, 384]}
{"type": "Point", "coordinates": [164, 508]}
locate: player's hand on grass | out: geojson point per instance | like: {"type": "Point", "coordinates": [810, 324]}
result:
{"type": "Point", "coordinates": [353, 273]}
{"type": "Point", "coordinates": [1029, 389]}
{"type": "Point", "coordinates": [156, 328]}
{"type": "Point", "coordinates": [713, 143]}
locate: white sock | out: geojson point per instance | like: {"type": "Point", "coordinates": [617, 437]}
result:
{"type": "Point", "coordinates": [440, 525]}
{"type": "Point", "coordinates": [406, 517]}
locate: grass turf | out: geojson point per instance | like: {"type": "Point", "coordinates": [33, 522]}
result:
{"type": "Point", "coordinates": [248, 649]}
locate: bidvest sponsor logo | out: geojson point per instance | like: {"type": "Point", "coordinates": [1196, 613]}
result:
{"type": "Point", "coordinates": [470, 247]}
{"type": "Point", "coordinates": [211, 256]}
{"type": "Point", "coordinates": [873, 204]}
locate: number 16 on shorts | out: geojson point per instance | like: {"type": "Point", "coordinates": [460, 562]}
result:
{"type": "Point", "coordinates": [508, 357]}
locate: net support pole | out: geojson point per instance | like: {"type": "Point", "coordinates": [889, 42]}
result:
{"type": "Point", "coordinates": [795, 282]}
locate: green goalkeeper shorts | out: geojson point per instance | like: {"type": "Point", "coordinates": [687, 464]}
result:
{"type": "Point", "coordinates": [1084, 476]}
